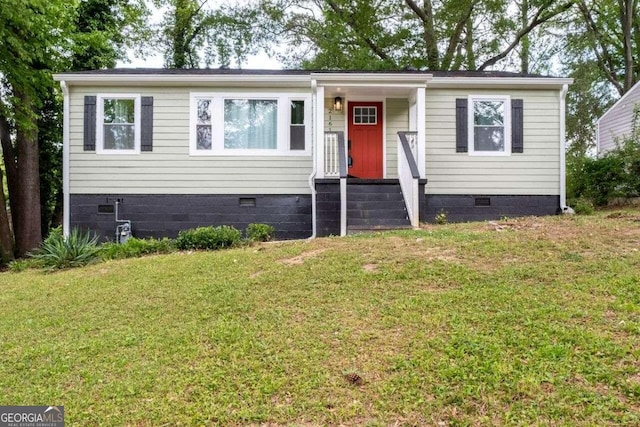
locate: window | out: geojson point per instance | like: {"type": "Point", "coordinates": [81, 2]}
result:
{"type": "Point", "coordinates": [365, 115]}
{"type": "Point", "coordinates": [296, 126]}
{"type": "Point", "coordinates": [489, 125]}
{"type": "Point", "coordinates": [249, 124]}
{"type": "Point", "coordinates": [203, 125]}
{"type": "Point", "coordinates": [118, 129]}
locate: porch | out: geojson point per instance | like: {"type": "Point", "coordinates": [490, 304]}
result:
{"type": "Point", "coordinates": [369, 152]}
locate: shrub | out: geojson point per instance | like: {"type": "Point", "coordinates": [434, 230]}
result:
{"type": "Point", "coordinates": [19, 265]}
{"type": "Point", "coordinates": [583, 206]}
{"type": "Point", "coordinates": [136, 247]}
{"type": "Point", "coordinates": [441, 217]}
{"type": "Point", "coordinates": [260, 232]}
{"type": "Point", "coordinates": [57, 252]}
{"type": "Point", "coordinates": [220, 237]}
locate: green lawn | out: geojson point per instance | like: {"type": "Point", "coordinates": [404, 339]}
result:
{"type": "Point", "coordinates": [521, 322]}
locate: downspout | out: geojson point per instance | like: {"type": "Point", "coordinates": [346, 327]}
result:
{"type": "Point", "coordinates": [65, 160]}
{"type": "Point", "coordinates": [563, 148]}
{"type": "Point", "coordinates": [314, 149]}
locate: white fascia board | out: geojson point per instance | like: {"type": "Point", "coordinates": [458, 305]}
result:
{"type": "Point", "coordinates": [493, 82]}
{"type": "Point", "coordinates": [291, 80]}
{"type": "Point", "coordinates": [630, 91]}
{"type": "Point", "coordinates": [372, 79]}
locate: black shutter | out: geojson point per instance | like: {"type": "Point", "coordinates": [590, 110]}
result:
{"type": "Point", "coordinates": [89, 123]}
{"type": "Point", "coordinates": [517, 143]}
{"type": "Point", "coordinates": [146, 125]}
{"type": "Point", "coordinates": [462, 121]}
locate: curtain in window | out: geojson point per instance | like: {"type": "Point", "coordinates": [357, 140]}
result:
{"type": "Point", "coordinates": [119, 127]}
{"type": "Point", "coordinates": [250, 123]}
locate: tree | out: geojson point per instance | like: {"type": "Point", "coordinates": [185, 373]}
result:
{"type": "Point", "coordinates": [387, 34]}
{"type": "Point", "coordinates": [192, 33]}
{"type": "Point", "coordinates": [608, 34]}
{"type": "Point", "coordinates": [40, 37]}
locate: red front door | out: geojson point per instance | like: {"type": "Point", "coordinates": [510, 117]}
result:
{"type": "Point", "coordinates": [365, 139]}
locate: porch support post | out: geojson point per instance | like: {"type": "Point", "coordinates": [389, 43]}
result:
{"type": "Point", "coordinates": [319, 119]}
{"type": "Point", "coordinates": [420, 128]}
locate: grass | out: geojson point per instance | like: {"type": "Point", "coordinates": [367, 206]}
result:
{"type": "Point", "coordinates": [518, 322]}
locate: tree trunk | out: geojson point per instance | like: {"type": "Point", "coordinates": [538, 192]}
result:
{"type": "Point", "coordinates": [6, 239]}
{"type": "Point", "coordinates": [626, 15]}
{"type": "Point", "coordinates": [28, 231]}
{"type": "Point", "coordinates": [525, 43]}
{"type": "Point", "coordinates": [11, 167]}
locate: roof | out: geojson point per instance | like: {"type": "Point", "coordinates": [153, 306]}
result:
{"type": "Point", "coordinates": [255, 72]}
{"type": "Point", "coordinates": [304, 78]}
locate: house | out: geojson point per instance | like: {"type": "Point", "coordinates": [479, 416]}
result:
{"type": "Point", "coordinates": [617, 121]}
{"type": "Point", "coordinates": [312, 153]}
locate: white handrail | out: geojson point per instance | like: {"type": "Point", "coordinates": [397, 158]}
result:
{"type": "Point", "coordinates": [408, 174]}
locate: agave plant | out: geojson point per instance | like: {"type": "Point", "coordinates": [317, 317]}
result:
{"type": "Point", "coordinates": [78, 249]}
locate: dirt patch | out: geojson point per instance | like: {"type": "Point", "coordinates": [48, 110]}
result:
{"type": "Point", "coordinates": [300, 259]}
{"type": "Point", "coordinates": [256, 274]}
{"type": "Point", "coordinates": [370, 268]}
{"type": "Point", "coordinates": [623, 215]}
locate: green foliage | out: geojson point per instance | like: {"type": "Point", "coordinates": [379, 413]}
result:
{"type": "Point", "coordinates": [133, 248]}
{"type": "Point", "coordinates": [57, 252]}
{"type": "Point", "coordinates": [19, 265]}
{"type": "Point", "coordinates": [260, 232]}
{"type": "Point", "coordinates": [582, 206]}
{"type": "Point", "coordinates": [614, 175]}
{"type": "Point", "coordinates": [441, 217]}
{"type": "Point", "coordinates": [208, 238]}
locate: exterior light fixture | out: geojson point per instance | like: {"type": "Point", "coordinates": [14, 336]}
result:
{"type": "Point", "coordinates": [337, 104]}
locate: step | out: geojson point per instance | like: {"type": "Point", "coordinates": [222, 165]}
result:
{"type": "Point", "coordinates": [366, 197]}
{"type": "Point", "coordinates": [387, 212]}
{"type": "Point", "coordinates": [374, 189]}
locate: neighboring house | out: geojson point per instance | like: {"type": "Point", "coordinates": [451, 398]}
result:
{"type": "Point", "coordinates": [311, 153]}
{"type": "Point", "coordinates": [616, 123]}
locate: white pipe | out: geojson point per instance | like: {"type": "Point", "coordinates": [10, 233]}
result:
{"type": "Point", "coordinates": [563, 148]}
{"type": "Point", "coordinates": [314, 150]}
{"type": "Point", "coordinates": [65, 160]}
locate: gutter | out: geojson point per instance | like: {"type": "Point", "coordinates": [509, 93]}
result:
{"type": "Point", "coordinates": [314, 137]}
{"type": "Point", "coordinates": [563, 147]}
{"type": "Point", "coordinates": [65, 160]}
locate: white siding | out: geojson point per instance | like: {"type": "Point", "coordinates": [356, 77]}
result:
{"type": "Point", "coordinates": [397, 121]}
{"type": "Point", "coordinates": [169, 169]}
{"type": "Point", "coordinates": [536, 171]}
{"type": "Point", "coordinates": [617, 122]}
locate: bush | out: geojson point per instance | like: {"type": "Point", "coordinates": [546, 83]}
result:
{"type": "Point", "coordinates": [260, 232]}
{"type": "Point", "coordinates": [220, 237]}
{"type": "Point", "coordinates": [19, 265]}
{"type": "Point", "coordinates": [57, 252]}
{"type": "Point", "coordinates": [136, 248]}
{"type": "Point", "coordinates": [582, 206]}
{"type": "Point", "coordinates": [441, 217]}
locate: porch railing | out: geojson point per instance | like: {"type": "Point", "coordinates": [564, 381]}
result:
{"type": "Point", "coordinates": [335, 161]}
{"type": "Point", "coordinates": [409, 174]}
{"type": "Point", "coordinates": [335, 166]}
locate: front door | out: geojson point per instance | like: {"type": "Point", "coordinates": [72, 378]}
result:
{"type": "Point", "coordinates": [365, 139]}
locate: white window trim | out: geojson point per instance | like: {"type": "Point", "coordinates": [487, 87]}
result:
{"type": "Point", "coordinates": [217, 123]}
{"type": "Point", "coordinates": [507, 125]}
{"type": "Point", "coordinates": [100, 122]}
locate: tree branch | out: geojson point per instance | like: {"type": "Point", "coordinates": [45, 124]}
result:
{"type": "Point", "coordinates": [374, 47]}
{"type": "Point", "coordinates": [429, 34]}
{"type": "Point", "coordinates": [537, 20]}
{"type": "Point", "coordinates": [602, 55]}
{"type": "Point", "coordinates": [455, 40]}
